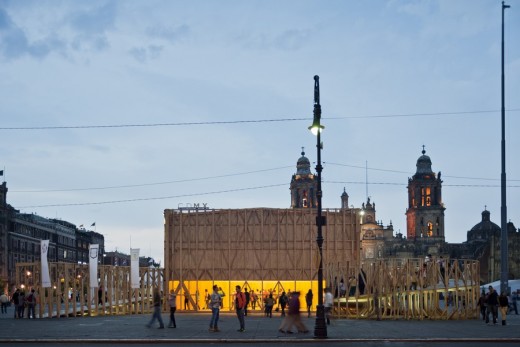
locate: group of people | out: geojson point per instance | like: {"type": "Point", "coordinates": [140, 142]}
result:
{"type": "Point", "coordinates": [240, 304]}
{"type": "Point", "coordinates": [491, 302]}
{"type": "Point", "coordinates": [21, 302]}
{"type": "Point", "coordinates": [157, 303]}
{"type": "Point", "coordinates": [291, 319]}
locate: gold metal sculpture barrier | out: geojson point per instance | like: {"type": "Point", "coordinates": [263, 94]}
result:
{"type": "Point", "coordinates": [70, 294]}
{"type": "Point", "coordinates": [406, 289]}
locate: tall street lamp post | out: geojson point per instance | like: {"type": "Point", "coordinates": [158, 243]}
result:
{"type": "Point", "coordinates": [320, 329]}
{"type": "Point", "coordinates": [503, 215]}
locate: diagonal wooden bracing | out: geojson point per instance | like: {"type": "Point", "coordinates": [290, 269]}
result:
{"type": "Point", "coordinates": [406, 288]}
{"type": "Point", "coordinates": [255, 244]}
{"type": "Point", "coordinates": [71, 295]}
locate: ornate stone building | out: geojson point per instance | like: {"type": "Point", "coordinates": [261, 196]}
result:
{"type": "Point", "coordinates": [483, 244]}
{"type": "Point", "coordinates": [424, 216]}
{"type": "Point", "coordinates": [304, 185]}
{"type": "Point", "coordinates": [426, 233]}
{"type": "Point", "coordinates": [21, 233]}
{"type": "Point", "coordinates": [374, 236]}
{"type": "Point", "coordinates": [425, 213]}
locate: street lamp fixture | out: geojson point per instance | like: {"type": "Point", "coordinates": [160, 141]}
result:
{"type": "Point", "coordinates": [316, 127]}
{"type": "Point", "coordinates": [320, 328]}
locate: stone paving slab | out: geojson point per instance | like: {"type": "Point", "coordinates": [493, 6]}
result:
{"type": "Point", "coordinates": [194, 327]}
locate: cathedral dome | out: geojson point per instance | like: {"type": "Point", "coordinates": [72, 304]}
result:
{"type": "Point", "coordinates": [303, 166]}
{"type": "Point", "coordinates": [424, 164]}
{"type": "Point", "coordinates": [486, 224]}
{"type": "Point", "coordinates": [483, 230]}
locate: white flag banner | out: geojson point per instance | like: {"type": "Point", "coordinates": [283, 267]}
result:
{"type": "Point", "coordinates": [134, 268]}
{"type": "Point", "coordinates": [46, 279]}
{"type": "Point", "coordinates": [93, 260]}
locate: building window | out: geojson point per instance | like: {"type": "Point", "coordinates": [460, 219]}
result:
{"type": "Point", "coordinates": [430, 229]}
{"type": "Point", "coordinates": [426, 199]}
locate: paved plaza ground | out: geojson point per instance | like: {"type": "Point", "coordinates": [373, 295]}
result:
{"type": "Point", "coordinates": [193, 327]}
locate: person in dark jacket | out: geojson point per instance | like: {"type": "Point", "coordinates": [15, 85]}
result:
{"type": "Point", "coordinates": [15, 297]}
{"type": "Point", "coordinates": [283, 300]}
{"type": "Point", "coordinates": [248, 299]}
{"type": "Point", "coordinates": [268, 305]}
{"type": "Point", "coordinates": [482, 303]}
{"type": "Point", "coordinates": [308, 301]}
{"type": "Point", "coordinates": [503, 301]}
{"type": "Point", "coordinates": [240, 304]}
{"type": "Point", "coordinates": [492, 305]}
{"type": "Point", "coordinates": [21, 305]}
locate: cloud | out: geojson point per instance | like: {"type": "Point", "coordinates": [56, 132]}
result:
{"type": "Point", "coordinates": [95, 21]}
{"type": "Point", "coordinates": [89, 33]}
{"type": "Point", "coordinates": [291, 39]}
{"type": "Point", "coordinates": [143, 54]}
{"type": "Point", "coordinates": [92, 26]}
{"type": "Point", "coordinates": [14, 42]}
{"type": "Point", "coordinates": [169, 34]}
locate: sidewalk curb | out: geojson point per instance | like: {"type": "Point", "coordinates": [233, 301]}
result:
{"type": "Point", "coordinates": [253, 341]}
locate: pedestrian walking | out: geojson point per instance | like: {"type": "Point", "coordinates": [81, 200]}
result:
{"type": "Point", "coordinates": [207, 298]}
{"type": "Point", "coordinates": [283, 300]}
{"type": "Point", "coordinates": [248, 298]}
{"type": "Point", "coordinates": [240, 303]}
{"type": "Point", "coordinates": [514, 299]}
{"type": "Point", "coordinates": [100, 295]}
{"type": "Point", "coordinates": [492, 305]}
{"type": "Point", "coordinates": [253, 299]}
{"type": "Point", "coordinates": [172, 301]}
{"type": "Point", "coordinates": [504, 306]}
{"type": "Point", "coordinates": [215, 303]}
{"type": "Point", "coordinates": [14, 299]}
{"type": "Point", "coordinates": [156, 310]}
{"type": "Point", "coordinates": [4, 300]}
{"type": "Point", "coordinates": [186, 301]}
{"type": "Point", "coordinates": [21, 305]}
{"type": "Point", "coordinates": [328, 303]}
{"type": "Point", "coordinates": [293, 317]}
{"type": "Point", "coordinates": [31, 304]}
{"type": "Point", "coordinates": [308, 299]}
{"type": "Point", "coordinates": [482, 303]}
{"type": "Point", "coordinates": [269, 303]}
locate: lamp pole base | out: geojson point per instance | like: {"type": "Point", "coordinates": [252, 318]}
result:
{"type": "Point", "coordinates": [320, 328]}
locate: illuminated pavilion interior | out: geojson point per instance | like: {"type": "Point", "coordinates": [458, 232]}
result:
{"type": "Point", "coordinates": [264, 250]}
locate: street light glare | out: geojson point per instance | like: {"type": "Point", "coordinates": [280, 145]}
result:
{"type": "Point", "coordinates": [315, 128]}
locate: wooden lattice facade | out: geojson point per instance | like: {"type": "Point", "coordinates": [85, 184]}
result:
{"type": "Point", "coordinates": [261, 246]}
{"type": "Point", "coordinates": [406, 288]}
{"type": "Point", "coordinates": [71, 295]}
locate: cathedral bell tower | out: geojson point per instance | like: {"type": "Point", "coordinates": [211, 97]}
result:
{"type": "Point", "coordinates": [425, 212]}
{"type": "Point", "coordinates": [303, 185]}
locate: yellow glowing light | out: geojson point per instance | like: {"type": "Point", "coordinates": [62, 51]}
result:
{"type": "Point", "coordinates": [197, 290]}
